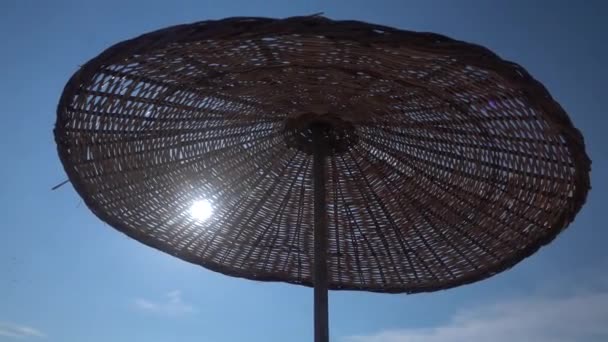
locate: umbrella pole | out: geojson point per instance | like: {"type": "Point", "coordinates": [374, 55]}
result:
{"type": "Point", "coordinates": [321, 315]}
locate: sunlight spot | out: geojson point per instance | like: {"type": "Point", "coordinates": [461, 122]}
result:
{"type": "Point", "coordinates": [201, 210]}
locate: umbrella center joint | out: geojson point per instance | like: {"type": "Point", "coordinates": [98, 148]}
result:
{"type": "Point", "coordinates": [338, 135]}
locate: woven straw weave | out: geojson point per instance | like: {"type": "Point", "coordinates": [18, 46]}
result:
{"type": "Point", "coordinates": [460, 163]}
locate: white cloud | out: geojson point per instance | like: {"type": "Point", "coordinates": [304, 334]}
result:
{"type": "Point", "coordinates": [577, 318]}
{"type": "Point", "coordinates": [17, 331]}
{"type": "Point", "coordinates": [171, 304]}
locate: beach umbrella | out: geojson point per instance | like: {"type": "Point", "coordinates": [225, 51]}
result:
{"type": "Point", "coordinates": [339, 155]}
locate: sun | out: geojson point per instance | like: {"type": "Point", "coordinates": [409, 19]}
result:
{"type": "Point", "coordinates": [201, 210]}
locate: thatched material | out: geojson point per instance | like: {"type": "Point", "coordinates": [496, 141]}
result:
{"type": "Point", "coordinates": [452, 164]}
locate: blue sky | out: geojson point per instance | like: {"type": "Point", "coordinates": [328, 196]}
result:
{"type": "Point", "coordinates": [66, 277]}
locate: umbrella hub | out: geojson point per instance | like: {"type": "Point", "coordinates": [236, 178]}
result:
{"type": "Point", "coordinates": [339, 135]}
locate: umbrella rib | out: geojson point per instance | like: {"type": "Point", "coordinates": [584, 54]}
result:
{"type": "Point", "coordinates": [389, 184]}
{"type": "Point", "coordinates": [474, 107]}
{"type": "Point", "coordinates": [448, 122]}
{"type": "Point", "coordinates": [465, 133]}
{"type": "Point", "coordinates": [222, 117]}
{"type": "Point", "coordinates": [258, 203]}
{"type": "Point", "coordinates": [428, 159]}
{"type": "Point", "coordinates": [383, 238]}
{"type": "Point", "coordinates": [130, 136]}
{"type": "Point", "coordinates": [299, 217]}
{"type": "Point", "coordinates": [396, 155]}
{"type": "Point", "coordinates": [434, 181]}
{"type": "Point", "coordinates": [285, 244]}
{"type": "Point", "coordinates": [137, 100]}
{"type": "Point", "coordinates": [352, 221]}
{"type": "Point", "coordinates": [455, 156]}
{"type": "Point", "coordinates": [277, 213]}
{"type": "Point", "coordinates": [218, 191]}
{"type": "Point", "coordinates": [490, 182]}
{"type": "Point", "coordinates": [163, 166]}
{"type": "Point", "coordinates": [240, 181]}
{"type": "Point", "coordinates": [405, 246]}
{"type": "Point", "coordinates": [335, 181]}
{"type": "Point", "coordinates": [160, 133]}
{"type": "Point", "coordinates": [491, 148]}
{"type": "Point", "coordinates": [172, 89]}
{"type": "Point", "coordinates": [412, 95]}
{"type": "Point", "coordinates": [398, 233]}
{"type": "Point", "coordinates": [209, 194]}
{"type": "Point", "coordinates": [179, 144]}
{"type": "Point", "coordinates": [376, 221]}
{"type": "Point", "coordinates": [378, 230]}
{"type": "Point", "coordinates": [273, 162]}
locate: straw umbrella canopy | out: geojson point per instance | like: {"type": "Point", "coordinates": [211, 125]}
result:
{"type": "Point", "coordinates": [336, 154]}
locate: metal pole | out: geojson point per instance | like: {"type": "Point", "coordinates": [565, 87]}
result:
{"type": "Point", "coordinates": [320, 236]}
